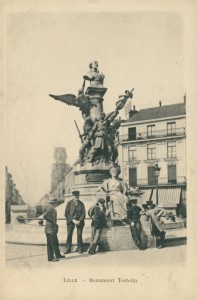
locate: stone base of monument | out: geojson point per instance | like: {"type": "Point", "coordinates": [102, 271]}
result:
{"type": "Point", "coordinates": [114, 238]}
{"type": "Point", "coordinates": [119, 238]}
{"type": "Point", "coordinates": [87, 178]}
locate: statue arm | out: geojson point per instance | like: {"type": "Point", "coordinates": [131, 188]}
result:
{"type": "Point", "coordinates": [103, 186]}
{"type": "Point", "coordinates": [111, 116]}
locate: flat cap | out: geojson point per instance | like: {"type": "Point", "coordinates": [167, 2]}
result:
{"type": "Point", "coordinates": [75, 193]}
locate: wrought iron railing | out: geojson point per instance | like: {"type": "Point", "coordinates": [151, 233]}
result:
{"type": "Point", "coordinates": [161, 181]}
{"type": "Point", "coordinates": [156, 134]}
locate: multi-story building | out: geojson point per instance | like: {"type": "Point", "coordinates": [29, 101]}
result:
{"type": "Point", "coordinates": [155, 136]}
{"type": "Point", "coordinates": [12, 195]}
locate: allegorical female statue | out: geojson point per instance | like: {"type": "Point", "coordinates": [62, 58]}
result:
{"type": "Point", "coordinates": [116, 199]}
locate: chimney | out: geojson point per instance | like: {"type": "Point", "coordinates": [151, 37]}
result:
{"type": "Point", "coordinates": [160, 103]}
{"type": "Point", "coordinates": [132, 112]}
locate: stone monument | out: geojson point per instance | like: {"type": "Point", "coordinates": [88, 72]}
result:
{"type": "Point", "coordinates": [98, 150]}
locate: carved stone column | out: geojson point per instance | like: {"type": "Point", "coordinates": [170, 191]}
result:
{"type": "Point", "coordinates": [96, 94]}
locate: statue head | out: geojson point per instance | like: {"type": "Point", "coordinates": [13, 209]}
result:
{"type": "Point", "coordinates": [115, 170]}
{"type": "Point", "coordinates": [93, 65]}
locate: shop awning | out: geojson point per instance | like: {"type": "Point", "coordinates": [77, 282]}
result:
{"type": "Point", "coordinates": [167, 196]}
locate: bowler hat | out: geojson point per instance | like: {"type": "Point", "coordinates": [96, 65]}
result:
{"type": "Point", "coordinates": [75, 193]}
{"type": "Point", "coordinates": [101, 200]}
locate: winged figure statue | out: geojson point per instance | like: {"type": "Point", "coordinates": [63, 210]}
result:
{"type": "Point", "coordinates": [123, 99]}
{"type": "Point", "coordinates": [82, 101]}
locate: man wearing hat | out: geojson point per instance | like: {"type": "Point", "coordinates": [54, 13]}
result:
{"type": "Point", "coordinates": [154, 213]}
{"type": "Point", "coordinates": [98, 222]}
{"type": "Point", "coordinates": [51, 230]}
{"type": "Point", "coordinates": [75, 214]}
{"type": "Point", "coordinates": [133, 216]}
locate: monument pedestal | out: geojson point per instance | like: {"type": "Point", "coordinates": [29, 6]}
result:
{"type": "Point", "coordinates": [119, 238]}
{"type": "Point", "coordinates": [87, 180]}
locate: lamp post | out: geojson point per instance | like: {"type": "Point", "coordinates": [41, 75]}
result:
{"type": "Point", "coordinates": [156, 174]}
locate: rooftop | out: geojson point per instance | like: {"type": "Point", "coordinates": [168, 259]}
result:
{"type": "Point", "coordinates": [158, 112]}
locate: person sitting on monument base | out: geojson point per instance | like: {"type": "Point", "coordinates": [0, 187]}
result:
{"type": "Point", "coordinates": [99, 222]}
{"type": "Point", "coordinates": [134, 213]}
{"type": "Point", "coordinates": [115, 190]}
{"type": "Point", "coordinates": [154, 213]}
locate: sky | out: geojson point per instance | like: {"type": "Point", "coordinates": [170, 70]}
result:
{"type": "Point", "coordinates": [49, 52]}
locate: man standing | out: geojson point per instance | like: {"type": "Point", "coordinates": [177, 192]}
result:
{"type": "Point", "coordinates": [51, 229]}
{"type": "Point", "coordinates": [75, 215]}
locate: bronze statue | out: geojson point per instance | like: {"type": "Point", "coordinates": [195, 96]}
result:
{"type": "Point", "coordinates": [82, 101]}
{"type": "Point", "coordinates": [87, 140]}
{"type": "Point", "coordinates": [93, 75]}
{"type": "Point", "coordinates": [100, 132]}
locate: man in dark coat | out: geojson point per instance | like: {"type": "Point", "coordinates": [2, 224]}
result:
{"type": "Point", "coordinates": [75, 214]}
{"type": "Point", "coordinates": [133, 216]}
{"type": "Point", "coordinates": [98, 222]}
{"type": "Point", "coordinates": [51, 229]}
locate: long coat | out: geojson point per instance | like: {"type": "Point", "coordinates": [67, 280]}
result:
{"type": "Point", "coordinates": [75, 210]}
{"type": "Point", "coordinates": [99, 218]}
{"type": "Point", "coordinates": [50, 215]}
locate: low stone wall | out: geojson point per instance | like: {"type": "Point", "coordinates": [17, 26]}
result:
{"type": "Point", "coordinates": [18, 210]}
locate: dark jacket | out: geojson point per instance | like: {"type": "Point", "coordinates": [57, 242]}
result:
{"type": "Point", "coordinates": [99, 219]}
{"type": "Point", "coordinates": [75, 210]}
{"type": "Point", "coordinates": [50, 215]}
{"type": "Point", "coordinates": [133, 213]}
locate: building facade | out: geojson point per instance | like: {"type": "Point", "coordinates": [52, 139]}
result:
{"type": "Point", "coordinates": [155, 136]}
{"type": "Point", "coordinates": [12, 195]}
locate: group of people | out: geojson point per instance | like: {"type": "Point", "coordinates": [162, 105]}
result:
{"type": "Point", "coordinates": [75, 214]}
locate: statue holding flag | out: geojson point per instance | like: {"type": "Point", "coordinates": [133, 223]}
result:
{"type": "Point", "coordinates": [98, 138]}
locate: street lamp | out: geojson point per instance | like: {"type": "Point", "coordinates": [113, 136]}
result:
{"type": "Point", "coordinates": [156, 174]}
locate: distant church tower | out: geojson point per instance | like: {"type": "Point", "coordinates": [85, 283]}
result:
{"type": "Point", "coordinates": [59, 166]}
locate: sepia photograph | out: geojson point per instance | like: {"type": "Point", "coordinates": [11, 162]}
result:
{"type": "Point", "coordinates": [96, 187]}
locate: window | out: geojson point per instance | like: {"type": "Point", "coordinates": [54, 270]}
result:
{"type": "Point", "coordinates": [151, 151]}
{"type": "Point", "coordinates": [172, 174]}
{"type": "Point", "coordinates": [132, 133]}
{"type": "Point", "coordinates": [171, 149]}
{"type": "Point", "coordinates": [132, 153]}
{"type": "Point", "coordinates": [171, 128]}
{"type": "Point", "coordinates": [150, 131]}
{"type": "Point", "coordinates": [133, 177]}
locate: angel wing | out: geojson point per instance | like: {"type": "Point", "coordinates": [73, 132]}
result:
{"type": "Point", "coordinates": [69, 99]}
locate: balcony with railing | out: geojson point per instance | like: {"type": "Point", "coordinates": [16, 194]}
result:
{"type": "Point", "coordinates": [163, 181]}
{"type": "Point", "coordinates": [154, 135]}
